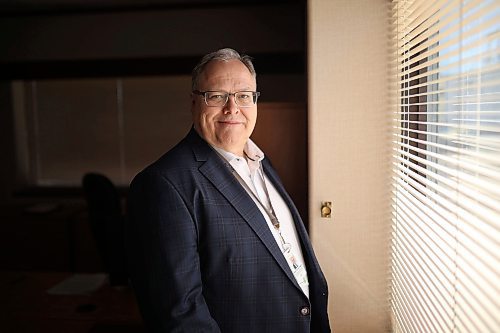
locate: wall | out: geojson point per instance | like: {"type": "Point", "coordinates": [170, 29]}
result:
{"type": "Point", "coordinates": [348, 157]}
{"type": "Point", "coordinates": [161, 41]}
{"type": "Point", "coordinates": [7, 166]}
{"type": "Point", "coordinates": [149, 34]}
{"type": "Point", "coordinates": [116, 126]}
{"type": "Point", "coordinates": [66, 52]}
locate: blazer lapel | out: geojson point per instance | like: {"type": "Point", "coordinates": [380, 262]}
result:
{"type": "Point", "coordinates": [219, 174]}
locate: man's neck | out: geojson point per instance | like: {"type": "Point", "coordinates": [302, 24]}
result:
{"type": "Point", "coordinates": [238, 151]}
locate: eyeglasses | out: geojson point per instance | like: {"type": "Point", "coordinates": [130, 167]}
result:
{"type": "Point", "coordinates": [243, 99]}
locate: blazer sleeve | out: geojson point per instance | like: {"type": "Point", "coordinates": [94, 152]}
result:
{"type": "Point", "coordinates": [163, 259]}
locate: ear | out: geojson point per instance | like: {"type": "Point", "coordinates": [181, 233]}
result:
{"type": "Point", "coordinates": [193, 100]}
{"type": "Point", "coordinates": [193, 104]}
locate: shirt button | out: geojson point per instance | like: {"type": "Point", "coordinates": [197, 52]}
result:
{"type": "Point", "coordinates": [304, 310]}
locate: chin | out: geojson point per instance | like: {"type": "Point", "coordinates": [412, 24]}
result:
{"type": "Point", "coordinates": [231, 143]}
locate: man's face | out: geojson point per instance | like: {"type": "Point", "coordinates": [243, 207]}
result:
{"type": "Point", "coordinates": [229, 126]}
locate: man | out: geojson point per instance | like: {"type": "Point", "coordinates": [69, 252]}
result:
{"type": "Point", "coordinates": [215, 243]}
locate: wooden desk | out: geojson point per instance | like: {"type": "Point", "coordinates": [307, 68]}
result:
{"type": "Point", "coordinates": [25, 306]}
{"type": "Point", "coordinates": [53, 240]}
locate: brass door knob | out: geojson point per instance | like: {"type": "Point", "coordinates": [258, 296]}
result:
{"type": "Point", "coordinates": [326, 209]}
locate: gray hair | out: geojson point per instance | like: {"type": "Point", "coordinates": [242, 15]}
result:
{"type": "Point", "coordinates": [226, 54]}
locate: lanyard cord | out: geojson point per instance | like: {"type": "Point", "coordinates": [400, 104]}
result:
{"type": "Point", "coordinates": [270, 212]}
{"type": "Point", "coordinates": [297, 268]}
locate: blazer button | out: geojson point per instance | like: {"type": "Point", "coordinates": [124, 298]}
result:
{"type": "Point", "coordinates": [304, 311]}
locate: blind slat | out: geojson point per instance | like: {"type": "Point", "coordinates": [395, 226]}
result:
{"type": "Point", "coordinates": [458, 163]}
{"type": "Point", "coordinates": [478, 283]}
{"type": "Point", "coordinates": [446, 166]}
{"type": "Point", "coordinates": [431, 34]}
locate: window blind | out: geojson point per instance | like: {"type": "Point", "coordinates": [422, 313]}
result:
{"type": "Point", "coordinates": [445, 265]}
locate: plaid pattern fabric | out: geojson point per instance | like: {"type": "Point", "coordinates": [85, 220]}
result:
{"type": "Point", "coordinates": [202, 258]}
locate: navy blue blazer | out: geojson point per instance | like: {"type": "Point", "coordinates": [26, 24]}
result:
{"type": "Point", "coordinates": [202, 258]}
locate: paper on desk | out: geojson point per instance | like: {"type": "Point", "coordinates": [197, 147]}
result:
{"type": "Point", "coordinates": [79, 284]}
{"type": "Point", "coordinates": [42, 208]}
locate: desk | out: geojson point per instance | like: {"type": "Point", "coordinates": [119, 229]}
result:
{"type": "Point", "coordinates": [57, 239]}
{"type": "Point", "coordinates": [25, 306]}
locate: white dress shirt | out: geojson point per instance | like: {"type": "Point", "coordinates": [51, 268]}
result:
{"type": "Point", "coordinates": [251, 177]}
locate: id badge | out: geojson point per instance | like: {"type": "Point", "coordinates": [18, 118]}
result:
{"type": "Point", "coordinates": [298, 270]}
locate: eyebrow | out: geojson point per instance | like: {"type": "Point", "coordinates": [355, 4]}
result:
{"type": "Point", "coordinates": [241, 89]}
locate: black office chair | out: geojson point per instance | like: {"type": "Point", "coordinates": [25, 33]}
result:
{"type": "Point", "coordinates": [107, 225]}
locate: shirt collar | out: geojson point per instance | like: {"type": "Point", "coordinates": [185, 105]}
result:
{"type": "Point", "coordinates": [251, 150]}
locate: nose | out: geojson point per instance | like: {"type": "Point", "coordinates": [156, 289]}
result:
{"type": "Point", "coordinates": [231, 106]}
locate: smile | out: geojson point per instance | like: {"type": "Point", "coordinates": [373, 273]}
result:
{"type": "Point", "coordinates": [230, 122]}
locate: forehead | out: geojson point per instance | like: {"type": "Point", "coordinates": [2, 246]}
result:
{"type": "Point", "coordinates": [232, 72]}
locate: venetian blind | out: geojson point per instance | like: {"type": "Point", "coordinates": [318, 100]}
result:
{"type": "Point", "coordinates": [445, 273]}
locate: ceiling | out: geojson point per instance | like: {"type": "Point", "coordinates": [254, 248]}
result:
{"type": "Point", "coordinates": [42, 7]}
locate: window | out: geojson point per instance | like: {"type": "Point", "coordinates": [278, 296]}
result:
{"type": "Point", "coordinates": [69, 127]}
{"type": "Point", "coordinates": [445, 274]}
{"type": "Point", "coordinates": [116, 126]}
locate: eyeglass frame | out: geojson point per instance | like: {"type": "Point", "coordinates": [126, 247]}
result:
{"type": "Point", "coordinates": [204, 94]}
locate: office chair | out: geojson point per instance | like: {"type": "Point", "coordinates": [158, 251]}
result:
{"type": "Point", "coordinates": [107, 225]}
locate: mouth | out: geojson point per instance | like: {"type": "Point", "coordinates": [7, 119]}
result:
{"type": "Point", "coordinates": [230, 122]}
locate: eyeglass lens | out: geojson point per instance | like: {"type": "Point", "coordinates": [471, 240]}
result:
{"type": "Point", "coordinates": [220, 98]}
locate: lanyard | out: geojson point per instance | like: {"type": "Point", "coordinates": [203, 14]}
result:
{"type": "Point", "coordinates": [270, 212]}
{"type": "Point", "coordinates": [296, 267]}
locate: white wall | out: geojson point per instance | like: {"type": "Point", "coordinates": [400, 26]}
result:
{"type": "Point", "coordinates": [348, 157]}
